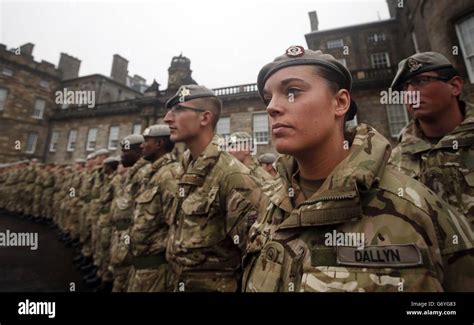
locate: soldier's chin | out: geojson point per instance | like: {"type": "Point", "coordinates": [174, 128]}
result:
{"type": "Point", "coordinates": [174, 137]}
{"type": "Point", "coordinates": [283, 146]}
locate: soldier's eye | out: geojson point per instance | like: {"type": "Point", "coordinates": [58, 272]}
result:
{"type": "Point", "coordinates": [293, 91]}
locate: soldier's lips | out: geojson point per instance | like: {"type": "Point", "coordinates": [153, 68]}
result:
{"type": "Point", "coordinates": [279, 128]}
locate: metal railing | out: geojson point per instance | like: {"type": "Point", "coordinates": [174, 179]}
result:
{"type": "Point", "coordinates": [236, 90]}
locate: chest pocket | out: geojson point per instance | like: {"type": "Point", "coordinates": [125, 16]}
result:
{"type": "Point", "coordinates": [202, 223]}
{"type": "Point", "coordinates": [268, 270]}
{"type": "Point", "coordinates": [149, 203]}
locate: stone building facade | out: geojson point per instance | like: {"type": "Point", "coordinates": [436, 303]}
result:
{"type": "Point", "coordinates": [124, 104]}
{"type": "Point", "coordinates": [443, 26]}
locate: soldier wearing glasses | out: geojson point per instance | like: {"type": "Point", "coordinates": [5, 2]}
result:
{"type": "Point", "coordinates": [217, 199]}
{"type": "Point", "coordinates": [437, 146]}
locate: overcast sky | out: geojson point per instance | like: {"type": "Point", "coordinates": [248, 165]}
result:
{"type": "Point", "coordinates": [227, 41]}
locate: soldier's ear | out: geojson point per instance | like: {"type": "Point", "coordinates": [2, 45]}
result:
{"type": "Point", "coordinates": [456, 85]}
{"type": "Point", "coordinates": [206, 118]}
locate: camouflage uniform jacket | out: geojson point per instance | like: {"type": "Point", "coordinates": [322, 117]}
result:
{"type": "Point", "coordinates": [260, 175]}
{"type": "Point", "coordinates": [217, 200]}
{"type": "Point", "coordinates": [149, 230]}
{"type": "Point", "coordinates": [133, 181]}
{"type": "Point", "coordinates": [412, 241]}
{"type": "Point", "coordinates": [446, 167]}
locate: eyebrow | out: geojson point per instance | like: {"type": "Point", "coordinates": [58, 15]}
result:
{"type": "Point", "coordinates": [285, 82]}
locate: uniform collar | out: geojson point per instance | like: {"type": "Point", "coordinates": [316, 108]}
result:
{"type": "Point", "coordinates": [163, 160]}
{"type": "Point", "coordinates": [413, 141]}
{"type": "Point", "coordinates": [338, 198]}
{"type": "Point", "coordinates": [196, 171]}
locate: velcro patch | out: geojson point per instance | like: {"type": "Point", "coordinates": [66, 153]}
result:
{"type": "Point", "coordinates": [376, 256]}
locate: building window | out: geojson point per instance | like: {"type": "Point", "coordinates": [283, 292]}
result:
{"type": "Point", "coordinates": [377, 37]}
{"type": "Point", "coordinates": [44, 83]}
{"type": "Point", "coordinates": [260, 128]}
{"type": "Point", "coordinates": [380, 60]}
{"type": "Point", "coordinates": [113, 137]}
{"type": "Point", "coordinates": [465, 32]}
{"type": "Point", "coordinates": [3, 98]}
{"type": "Point", "coordinates": [223, 126]}
{"type": "Point", "coordinates": [53, 144]}
{"type": "Point", "coordinates": [31, 142]}
{"type": "Point", "coordinates": [91, 139]}
{"type": "Point", "coordinates": [38, 110]}
{"type": "Point", "coordinates": [71, 141]}
{"type": "Point", "coordinates": [397, 119]}
{"type": "Point", "coordinates": [7, 72]}
{"type": "Point", "coordinates": [137, 128]}
{"type": "Point", "coordinates": [334, 44]}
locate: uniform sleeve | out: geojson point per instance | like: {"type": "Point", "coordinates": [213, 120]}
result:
{"type": "Point", "coordinates": [456, 245]}
{"type": "Point", "coordinates": [244, 201]}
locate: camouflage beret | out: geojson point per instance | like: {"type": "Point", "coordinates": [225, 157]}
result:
{"type": "Point", "coordinates": [132, 139]}
{"type": "Point", "coordinates": [157, 130]}
{"type": "Point", "coordinates": [419, 63]}
{"type": "Point", "coordinates": [237, 136]}
{"type": "Point", "coordinates": [90, 156]}
{"type": "Point", "coordinates": [267, 158]}
{"type": "Point", "coordinates": [297, 55]}
{"type": "Point", "coordinates": [80, 161]}
{"type": "Point", "coordinates": [101, 152]}
{"type": "Point", "coordinates": [112, 160]}
{"type": "Point", "coordinates": [189, 92]}
{"type": "Point", "coordinates": [68, 168]}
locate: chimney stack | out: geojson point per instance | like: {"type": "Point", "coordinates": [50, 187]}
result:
{"type": "Point", "coordinates": [69, 66]}
{"type": "Point", "coordinates": [119, 69]}
{"type": "Point", "coordinates": [313, 18]}
{"type": "Point", "coordinates": [27, 49]}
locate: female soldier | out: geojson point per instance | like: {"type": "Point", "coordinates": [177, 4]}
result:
{"type": "Point", "coordinates": [342, 220]}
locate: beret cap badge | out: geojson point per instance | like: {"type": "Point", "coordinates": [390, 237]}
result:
{"type": "Point", "coordinates": [413, 64]}
{"type": "Point", "coordinates": [183, 91]}
{"type": "Point", "coordinates": [295, 51]}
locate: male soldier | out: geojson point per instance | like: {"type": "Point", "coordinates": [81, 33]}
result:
{"type": "Point", "coordinates": [110, 186]}
{"type": "Point", "coordinates": [18, 191]}
{"type": "Point", "coordinates": [266, 161]}
{"type": "Point", "coordinates": [29, 188]}
{"type": "Point", "coordinates": [61, 201]}
{"type": "Point", "coordinates": [91, 188]}
{"type": "Point", "coordinates": [122, 210]}
{"type": "Point", "coordinates": [437, 147]}
{"type": "Point", "coordinates": [38, 191]}
{"type": "Point", "coordinates": [84, 195]}
{"type": "Point", "coordinates": [51, 176]}
{"type": "Point", "coordinates": [71, 206]}
{"type": "Point", "coordinates": [149, 228]}
{"type": "Point", "coordinates": [217, 199]}
{"type": "Point", "coordinates": [14, 182]}
{"type": "Point", "coordinates": [240, 146]}
{"type": "Point", "coordinates": [93, 209]}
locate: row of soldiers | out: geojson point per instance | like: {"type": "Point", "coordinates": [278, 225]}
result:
{"type": "Point", "coordinates": [214, 221]}
{"type": "Point", "coordinates": [92, 203]}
